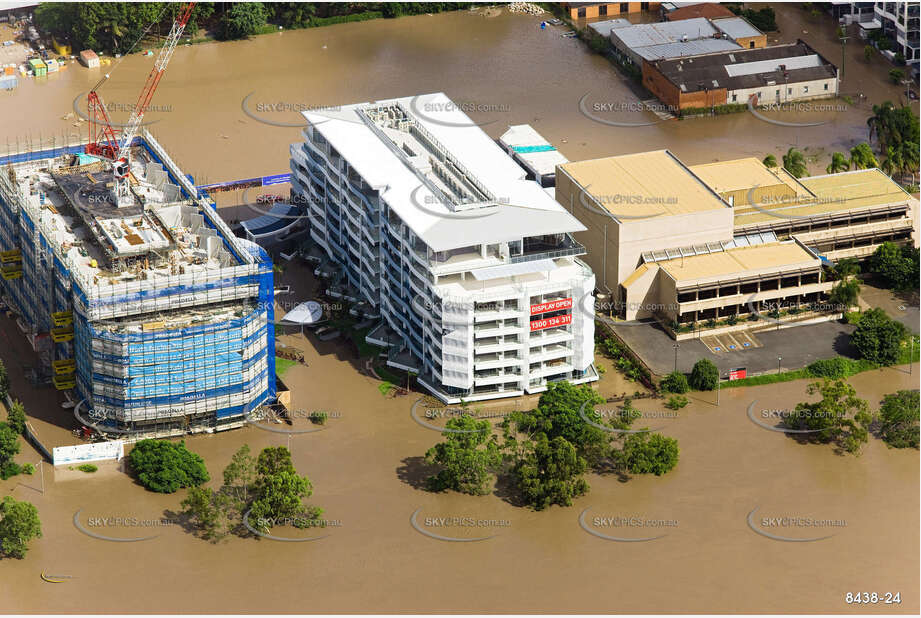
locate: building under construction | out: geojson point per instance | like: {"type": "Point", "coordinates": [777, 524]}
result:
{"type": "Point", "coordinates": [153, 314]}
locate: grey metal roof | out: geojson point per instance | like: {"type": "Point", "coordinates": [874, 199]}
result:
{"type": "Point", "coordinates": [687, 48]}
{"type": "Point", "coordinates": [643, 35]}
{"type": "Point", "coordinates": [736, 27]}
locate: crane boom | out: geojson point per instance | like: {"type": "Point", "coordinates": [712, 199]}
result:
{"type": "Point", "coordinates": [163, 58]}
{"type": "Point", "coordinates": [102, 138]}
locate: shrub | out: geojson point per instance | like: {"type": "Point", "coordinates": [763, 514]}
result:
{"type": "Point", "coordinates": [675, 382]}
{"type": "Point", "coordinates": [834, 368]}
{"type": "Point", "coordinates": [28, 469]}
{"type": "Point", "coordinates": [704, 375]}
{"type": "Point", "coordinates": [164, 466]}
{"type": "Point", "coordinates": [676, 402]}
{"type": "Point", "coordinates": [9, 469]}
{"type": "Point", "coordinates": [319, 417]}
{"type": "Point", "coordinates": [88, 468]}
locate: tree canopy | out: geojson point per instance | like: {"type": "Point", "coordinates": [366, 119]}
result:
{"type": "Point", "coordinates": [878, 337]}
{"type": "Point", "coordinates": [839, 416]}
{"type": "Point", "coordinates": [164, 466]}
{"type": "Point", "coordinates": [467, 457]}
{"type": "Point", "coordinates": [704, 375]}
{"type": "Point", "coordinates": [898, 419]}
{"type": "Point", "coordinates": [19, 524]}
{"type": "Point", "coordinates": [551, 472]}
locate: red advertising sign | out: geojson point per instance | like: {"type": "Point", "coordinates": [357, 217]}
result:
{"type": "Point", "coordinates": [737, 374]}
{"type": "Point", "coordinates": [553, 305]}
{"type": "Point", "coordinates": [559, 320]}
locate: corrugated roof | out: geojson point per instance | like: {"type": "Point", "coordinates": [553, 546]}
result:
{"type": "Point", "coordinates": [686, 48]}
{"type": "Point", "coordinates": [642, 35]}
{"type": "Point", "coordinates": [787, 255]}
{"type": "Point", "coordinates": [646, 184]}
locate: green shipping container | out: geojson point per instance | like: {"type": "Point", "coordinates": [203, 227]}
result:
{"type": "Point", "coordinates": [38, 67]}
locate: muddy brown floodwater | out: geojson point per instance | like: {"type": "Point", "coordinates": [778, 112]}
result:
{"type": "Point", "coordinates": [504, 70]}
{"type": "Point", "coordinates": [367, 473]}
{"type": "Point", "coordinates": [366, 465]}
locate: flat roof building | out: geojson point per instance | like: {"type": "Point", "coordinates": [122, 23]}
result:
{"type": "Point", "coordinates": [672, 39]}
{"type": "Point", "coordinates": [771, 75]}
{"type": "Point", "coordinates": [720, 241]}
{"type": "Point", "coordinates": [426, 223]}
{"type": "Point", "coordinates": [533, 152]}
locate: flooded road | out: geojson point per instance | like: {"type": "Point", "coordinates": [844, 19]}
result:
{"type": "Point", "coordinates": [366, 465]}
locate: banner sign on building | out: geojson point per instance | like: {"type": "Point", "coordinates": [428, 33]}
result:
{"type": "Point", "coordinates": [552, 305]}
{"type": "Point", "coordinates": [83, 453]}
{"type": "Point", "coordinates": [559, 320]}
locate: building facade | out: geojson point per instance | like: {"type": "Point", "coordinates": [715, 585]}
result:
{"type": "Point", "coordinates": [422, 220]}
{"type": "Point", "coordinates": [154, 315]}
{"type": "Point", "coordinates": [899, 23]}
{"type": "Point", "coordinates": [727, 241]}
{"type": "Point", "coordinates": [592, 10]}
{"type": "Point", "coordinates": [769, 76]}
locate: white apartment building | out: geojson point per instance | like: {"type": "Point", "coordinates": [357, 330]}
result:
{"type": "Point", "coordinates": [899, 21]}
{"type": "Point", "coordinates": [424, 221]}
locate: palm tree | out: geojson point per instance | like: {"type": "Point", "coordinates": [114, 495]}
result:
{"type": "Point", "coordinates": [795, 163]}
{"type": "Point", "coordinates": [862, 157]}
{"type": "Point", "coordinates": [893, 163]}
{"type": "Point", "coordinates": [770, 161]}
{"type": "Point", "coordinates": [838, 163]}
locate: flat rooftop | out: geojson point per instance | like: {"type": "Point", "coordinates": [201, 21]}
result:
{"type": "Point", "coordinates": [825, 195]}
{"type": "Point", "coordinates": [672, 39]}
{"type": "Point", "coordinates": [779, 256]}
{"type": "Point", "coordinates": [646, 184]}
{"type": "Point", "coordinates": [531, 147]}
{"type": "Point", "coordinates": [736, 27]}
{"type": "Point", "coordinates": [439, 171]}
{"type": "Point", "coordinates": [747, 68]}
{"type": "Point", "coordinates": [741, 174]}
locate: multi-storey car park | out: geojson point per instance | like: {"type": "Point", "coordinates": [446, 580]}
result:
{"type": "Point", "coordinates": [687, 245]}
{"type": "Point", "coordinates": [424, 221]}
{"type": "Point", "coordinates": [155, 314]}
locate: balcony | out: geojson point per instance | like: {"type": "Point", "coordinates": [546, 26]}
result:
{"type": "Point", "coordinates": [496, 376]}
{"type": "Point", "coordinates": [541, 250]}
{"type": "Point", "coordinates": [550, 353]}
{"type": "Point", "coordinates": [495, 361]}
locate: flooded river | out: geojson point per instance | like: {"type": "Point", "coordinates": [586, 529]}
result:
{"type": "Point", "coordinates": [367, 475]}
{"type": "Point", "coordinates": [366, 465]}
{"type": "Point", "coordinates": [505, 70]}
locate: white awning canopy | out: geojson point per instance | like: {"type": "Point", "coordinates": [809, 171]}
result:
{"type": "Point", "coordinates": [309, 312]}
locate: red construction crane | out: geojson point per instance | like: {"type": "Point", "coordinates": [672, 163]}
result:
{"type": "Point", "coordinates": [103, 141]}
